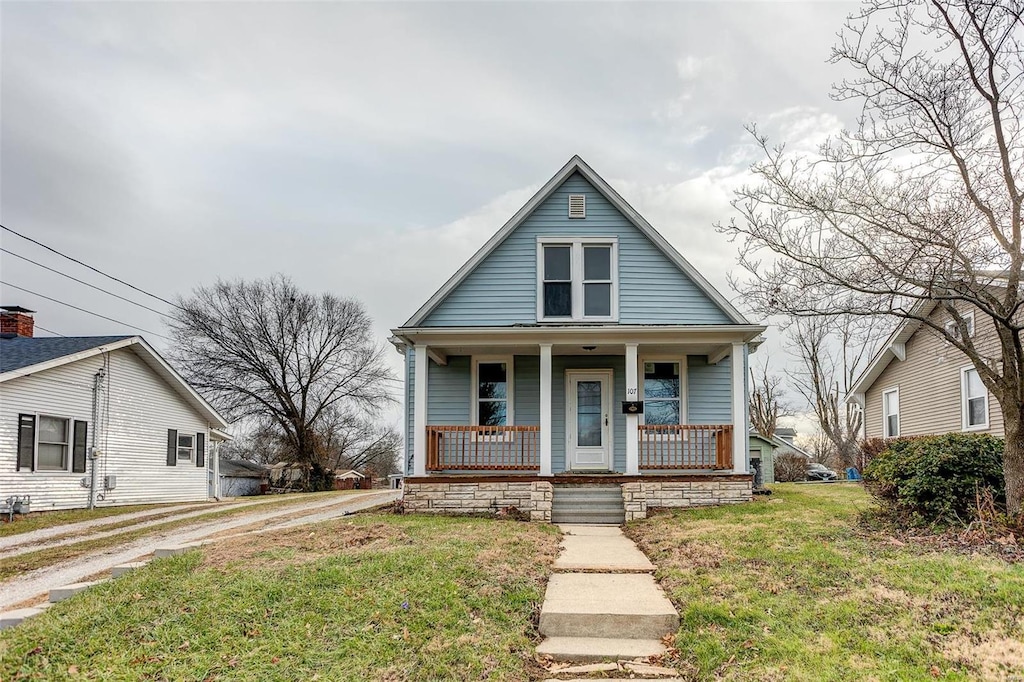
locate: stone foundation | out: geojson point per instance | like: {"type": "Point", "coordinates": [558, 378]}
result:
{"type": "Point", "coordinates": [529, 497]}
{"type": "Point", "coordinates": [639, 496]}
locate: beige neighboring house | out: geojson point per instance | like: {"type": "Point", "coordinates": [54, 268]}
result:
{"type": "Point", "coordinates": [920, 384]}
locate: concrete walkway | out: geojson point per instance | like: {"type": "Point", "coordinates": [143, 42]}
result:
{"type": "Point", "coordinates": [604, 604]}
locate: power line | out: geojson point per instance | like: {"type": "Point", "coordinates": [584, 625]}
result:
{"type": "Point", "coordinates": [104, 317]}
{"type": "Point", "coordinates": [75, 279]}
{"type": "Point", "coordinates": [50, 331]}
{"type": "Point", "coordinates": [96, 270]}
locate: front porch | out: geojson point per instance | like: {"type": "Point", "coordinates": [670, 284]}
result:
{"type": "Point", "coordinates": [497, 417]}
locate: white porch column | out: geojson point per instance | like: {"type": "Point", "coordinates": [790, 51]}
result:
{"type": "Point", "coordinates": [545, 409]}
{"type": "Point", "coordinates": [632, 420]}
{"type": "Point", "coordinates": [419, 422]}
{"type": "Point", "coordinates": [739, 410]}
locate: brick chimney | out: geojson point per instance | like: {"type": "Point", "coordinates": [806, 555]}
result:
{"type": "Point", "coordinates": [16, 321]}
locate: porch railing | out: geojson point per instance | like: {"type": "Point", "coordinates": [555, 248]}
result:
{"type": "Point", "coordinates": [685, 446]}
{"type": "Point", "coordinates": [494, 448]}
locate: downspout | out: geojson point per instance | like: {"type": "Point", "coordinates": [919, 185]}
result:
{"type": "Point", "coordinates": [97, 388]}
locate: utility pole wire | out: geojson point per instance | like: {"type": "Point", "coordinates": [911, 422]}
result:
{"type": "Point", "coordinates": [93, 286]}
{"type": "Point", "coordinates": [89, 312]}
{"type": "Point", "coordinates": [96, 270]}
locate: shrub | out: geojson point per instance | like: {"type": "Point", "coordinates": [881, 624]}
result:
{"type": "Point", "coordinates": [936, 479]}
{"type": "Point", "coordinates": [789, 467]}
{"type": "Point", "coordinates": [873, 447]}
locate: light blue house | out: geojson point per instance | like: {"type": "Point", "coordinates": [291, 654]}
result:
{"type": "Point", "coordinates": [577, 367]}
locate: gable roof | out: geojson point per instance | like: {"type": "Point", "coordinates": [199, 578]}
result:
{"type": "Point", "coordinates": [577, 165]}
{"type": "Point", "coordinates": [22, 357]}
{"type": "Point", "coordinates": [780, 443]}
{"type": "Point", "coordinates": [19, 352]}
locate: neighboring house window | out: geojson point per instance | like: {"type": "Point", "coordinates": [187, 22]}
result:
{"type": "Point", "coordinates": [954, 330]}
{"type": "Point", "coordinates": [186, 445]}
{"type": "Point", "coordinates": [492, 389]}
{"type": "Point", "coordinates": [662, 391]}
{"type": "Point", "coordinates": [48, 443]}
{"type": "Point", "coordinates": [577, 280]}
{"type": "Point", "coordinates": [891, 412]}
{"type": "Point", "coordinates": [974, 399]}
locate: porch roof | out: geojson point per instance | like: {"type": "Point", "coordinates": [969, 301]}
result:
{"type": "Point", "coordinates": [579, 339]}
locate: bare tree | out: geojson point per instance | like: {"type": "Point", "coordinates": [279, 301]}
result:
{"type": "Point", "coordinates": [767, 402]}
{"type": "Point", "coordinates": [265, 350]}
{"type": "Point", "coordinates": [822, 447]}
{"type": "Point", "coordinates": [920, 205]}
{"type": "Point", "coordinates": [832, 353]}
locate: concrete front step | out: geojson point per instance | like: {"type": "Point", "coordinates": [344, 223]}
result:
{"type": "Point", "coordinates": [600, 548]}
{"type": "Point", "coordinates": [588, 516]}
{"type": "Point", "coordinates": [606, 605]}
{"type": "Point", "coordinates": [588, 503]}
{"type": "Point", "coordinates": [597, 649]}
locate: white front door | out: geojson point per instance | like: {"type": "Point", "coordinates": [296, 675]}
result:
{"type": "Point", "coordinates": [588, 428]}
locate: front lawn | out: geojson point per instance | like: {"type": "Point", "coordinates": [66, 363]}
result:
{"type": "Point", "coordinates": [789, 588]}
{"type": "Point", "coordinates": [373, 597]}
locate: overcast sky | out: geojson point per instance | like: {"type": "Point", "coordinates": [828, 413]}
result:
{"type": "Point", "coordinates": [368, 150]}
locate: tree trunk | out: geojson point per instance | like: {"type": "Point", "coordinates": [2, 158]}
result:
{"type": "Point", "coordinates": [1013, 457]}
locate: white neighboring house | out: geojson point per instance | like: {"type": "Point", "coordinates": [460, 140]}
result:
{"type": "Point", "coordinates": [100, 420]}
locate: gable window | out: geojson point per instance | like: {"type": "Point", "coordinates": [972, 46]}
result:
{"type": "Point", "coordinates": [954, 330]}
{"type": "Point", "coordinates": [662, 391]}
{"type": "Point", "coordinates": [891, 413]}
{"type": "Point", "coordinates": [974, 399]}
{"type": "Point", "coordinates": [53, 444]}
{"type": "Point", "coordinates": [577, 279]}
{"type": "Point", "coordinates": [492, 392]}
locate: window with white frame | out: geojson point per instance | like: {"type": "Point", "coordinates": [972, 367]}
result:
{"type": "Point", "coordinates": [891, 412]}
{"type": "Point", "coordinates": [974, 399]}
{"type": "Point", "coordinates": [186, 446]}
{"type": "Point", "coordinates": [492, 392]}
{"type": "Point", "coordinates": [52, 450]}
{"type": "Point", "coordinates": [577, 279]}
{"type": "Point", "coordinates": [662, 393]}
{"type": "Point", "coordinates": [954, 330]}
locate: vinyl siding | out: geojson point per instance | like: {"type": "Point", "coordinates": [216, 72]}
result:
{"type": "Point", "coordinates": [502, 290]}
{"type": "Point", "coordinates": [710, 391]}
{"type": "Point", "coordinates": [138, 409]}
{"type": "Point", "coordinates": [929, 384]}
{"type": "Point", "coordinates": [766, 453]}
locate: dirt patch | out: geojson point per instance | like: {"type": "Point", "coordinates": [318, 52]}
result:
{"type": "Point", "coordinates": [991, 656]}
{"type": "Point", "coordinates": [301, 545]}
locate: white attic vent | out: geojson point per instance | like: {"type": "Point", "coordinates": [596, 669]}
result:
{"type": "Point", "coordinates": [577, 205]}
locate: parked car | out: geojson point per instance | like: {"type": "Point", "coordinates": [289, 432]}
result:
{"type": "Point", "coordinates": [820, 472]}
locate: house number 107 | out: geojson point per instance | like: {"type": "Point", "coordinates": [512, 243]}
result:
{"type": "Point", "coordinates": [631, 392]}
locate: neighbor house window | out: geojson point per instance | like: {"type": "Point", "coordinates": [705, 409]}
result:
{"type": "Point", "coordinates": [48, 443]}
{"type": "Point", "coordinates": [891, 412]}
{"type": "Point", "coordinates": [186, 446]}
{"type": "Point", "coordinates": [954, 330]}
{"type": "Point", "coordinates": [662, 390]}
{"type": "Point", "coordinates": [577, 279]}
{"type": "Point", "coordinates": [974, 399]}
{"type": "Point", "coordinates": [493, 392]}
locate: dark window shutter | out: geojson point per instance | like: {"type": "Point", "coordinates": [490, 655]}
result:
{"type": "Point", "coordinates": [172, 447]}
{"type": "Point", "coordinates": [200, 449]}
{"type": "Point", "coordinates": [26, 441]}
{"type": "Point", "coordinates": [80, 447]}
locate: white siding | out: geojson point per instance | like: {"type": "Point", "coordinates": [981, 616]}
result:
{"type": "Point", "coordinates": [138, 409]}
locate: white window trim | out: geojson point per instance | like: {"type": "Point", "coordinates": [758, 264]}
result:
{"type": "Point", "coordinates": [576, 264]}
{"type": "Point", "coordinates": [964, 411]}
{"type": "Point", "coordinates": [69, 445]}
{"type": "Point", "coordinates": [510, 393]}
{"type": "Point", "coordinates": [192, 449]}
{"type": "Point", "coordinates": [885, 420]}
{"type": "Point", "coordinates": [951, 327]}
{"type": "Point", "coordinates": [683, 386]}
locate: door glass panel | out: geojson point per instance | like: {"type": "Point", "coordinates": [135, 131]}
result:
{"type": "Point", "coordinates": [588, 413]}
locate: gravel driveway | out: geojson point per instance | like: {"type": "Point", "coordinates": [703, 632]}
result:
{"type": "Point", "coordinates": [35, 583]}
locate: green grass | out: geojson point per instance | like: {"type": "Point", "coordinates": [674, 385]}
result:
{"type": "Point", "coordinates": [790, 588]}
{"type": "Point", "coordinates": [29, 561]}
{"type": "Point", "coordinates": [375, 597]}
